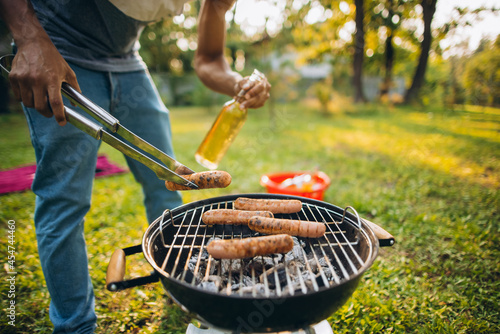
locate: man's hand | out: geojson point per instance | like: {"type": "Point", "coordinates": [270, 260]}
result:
{"type": "Point", "coordinates": [256, 93]}
{"type": "Point", "coordinates": [38, 70]}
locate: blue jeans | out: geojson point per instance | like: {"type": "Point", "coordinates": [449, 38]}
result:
{"type": "Point", "coordinates": [66, 161]}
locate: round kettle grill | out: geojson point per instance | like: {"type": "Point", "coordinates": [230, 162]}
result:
{"type": "Point", "coordinates": [280, 292]}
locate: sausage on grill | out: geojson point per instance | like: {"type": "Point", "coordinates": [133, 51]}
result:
{"type": "Point", "coordinates": [250, 247]}
{"type": "Point", "coordinates": [273, 205]}
{"type": "Point", "coordinates": [209, 179]}
{"type": "Point", "coordinates": [231, 217]}
{"type": "Point", "coordinates": [298, 228]}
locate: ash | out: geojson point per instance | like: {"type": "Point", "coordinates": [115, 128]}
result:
{"type": "Point", "coordinates": [297, 271]}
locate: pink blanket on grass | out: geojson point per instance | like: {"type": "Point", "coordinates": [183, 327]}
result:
{"type": "Point", "coordinates": [20, 179]}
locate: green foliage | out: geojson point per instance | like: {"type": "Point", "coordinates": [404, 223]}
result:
{"type": "Point", "coordinates": [168, 46]}
{"type": "Point", "coordinates": [482, 74]}
{"type": "Point", "coordinates": [430, 177]}
{"type": "Point", "coordinates": [323, 91]}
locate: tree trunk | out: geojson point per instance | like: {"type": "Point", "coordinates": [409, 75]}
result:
{"type": "Point", "coordinates": [389, 62]}
{"type": "Point", "coordinates": [389, 54]}
{"type": "Point", "coordinates": [359, 48]}
{"type": "Point", "coordinates": [429, 8]}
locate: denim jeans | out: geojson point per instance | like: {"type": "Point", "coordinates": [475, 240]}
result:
{"type": "Point", "coordinates": [66, 160]}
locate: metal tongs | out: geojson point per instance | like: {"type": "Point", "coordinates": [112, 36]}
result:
{"type": "Point", "coordinates": [171, 171]}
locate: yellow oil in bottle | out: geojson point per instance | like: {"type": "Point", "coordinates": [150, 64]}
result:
{"type": "Point", "coordinates": [217, 141]}
{"type": "Point", "coordinates": [225, 128]}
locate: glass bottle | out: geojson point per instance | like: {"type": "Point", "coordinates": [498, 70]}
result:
{"type": "Point", "coordinates": [224, 130]}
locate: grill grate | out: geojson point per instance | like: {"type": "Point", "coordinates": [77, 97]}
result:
{"type": "Point", "coordinates": [314, 264]}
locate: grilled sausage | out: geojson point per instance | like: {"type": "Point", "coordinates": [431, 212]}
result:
{"type": "Point", "coordinates": [231, 217]}
{"type": "Point", "coordinates": [209, 179]}
{"type": "Point", "coordinates": [250, 247]}
{"type": "Point", "coordinates": [292, 227]}
{"type": "Point", "coordinates": [273, 205]}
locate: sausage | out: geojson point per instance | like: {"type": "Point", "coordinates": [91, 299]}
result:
{"type": "Point", "coordinates": [298, 228]}
{"type": "Point", "coordinates": [234, 217]}
{"type": "Point", "coordinates": [250, 247]}
{"type": "Point", "coordinates": [209, 179]}
{"type": "Point", "coordinates": [273, 205]}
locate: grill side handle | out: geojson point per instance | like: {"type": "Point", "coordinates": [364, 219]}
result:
{"type": "Point", "coordinates": [115, 273]}
{"type": "Point", "coordinates": [384, 237]}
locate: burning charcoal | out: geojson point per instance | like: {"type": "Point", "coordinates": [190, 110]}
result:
{"type": "Point", "coordinates": [270, 276]}
{"type": "Point", "coordinates": [322, 281]}
{"type": "Point", "coordinates": [204, 254]}
{"type": "Point", "coordinates": [328, 273]}
{"type": "Point", "coordinates": [293, 268]}
{"type": "Point", "coordinates": [277, 258]}
{"type": "Point", "coordinates": [186, 276]}
{"type": "Point", "coordinates": [240, 282]}
{"type": "Point", "coordinates": [295, 272]}
{"type": "Point", "coordinates": [317, 263]}
{"type": "Point", "coordinates": [292, 288]}
{"type": "Point", "coordinates": [246, 290]}
{"type": "Point", "coordinates": [296, 253]}
{"type": "Point", "coordinates": [230, 265]}
{"type": "Point", "coordinates": [211, 283]}
{"type": "Point", "coordinates": [192, 263]}
{"type": "Point", "coordinates": [259, 289]}
{"type": "Point", "coordinates": [247, 280]}
{"type": "Point", "coordinates": [268, 262]}
{"type": "Point", "coordinates": [209, 286]}
{"type": "Point", "coordinates": [256, 266]}
{"type": "Point", "coordinates": [307, 278]}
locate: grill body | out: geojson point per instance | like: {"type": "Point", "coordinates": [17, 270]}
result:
{"type": "Point", "coordinates": [260, 315]}
{"type": "Point", "coordinates": [179, 237]}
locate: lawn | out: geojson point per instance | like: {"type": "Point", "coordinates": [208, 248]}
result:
{"type": "Point", "coordinates": [430, 177]}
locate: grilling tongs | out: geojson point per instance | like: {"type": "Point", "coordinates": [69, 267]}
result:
{"type": "Point", "coordinates": [172, 171]}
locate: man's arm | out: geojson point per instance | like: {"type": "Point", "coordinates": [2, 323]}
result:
{"type": "Point", "coordinates": [210, 63]}
{"type": "Point", "coordinates": [38, 70]}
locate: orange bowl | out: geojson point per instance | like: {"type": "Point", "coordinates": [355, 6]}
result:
{"type": "Point", "coordinates": [305, 184]}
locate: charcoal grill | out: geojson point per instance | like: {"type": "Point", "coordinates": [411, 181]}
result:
{"type": "Point", "coordinates": [261, 294]}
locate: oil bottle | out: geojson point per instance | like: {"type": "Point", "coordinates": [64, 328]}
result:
{"type": "Point", "coordinates": [224, 130]}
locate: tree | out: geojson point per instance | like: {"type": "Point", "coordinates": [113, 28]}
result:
{"type": "Point", "coordinates": [169, 45]}
{"type": "Point", "coordinates": [428, 8]}
{"type": "Point", "coordinates": [389, 51]}
{"type": "Point", "coordinates": [482, 74]}
{"type": "Point", "coordinates": [359, 52]}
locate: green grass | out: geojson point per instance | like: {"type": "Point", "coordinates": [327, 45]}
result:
{"type": "Point", "coordinates": [430, 177]}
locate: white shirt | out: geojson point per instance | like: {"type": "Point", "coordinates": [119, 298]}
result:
{"type": "Point", "coordinates": [149, 10]}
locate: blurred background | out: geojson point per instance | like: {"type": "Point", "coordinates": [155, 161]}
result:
{"type": "Point", "coordinates": [334, 53]}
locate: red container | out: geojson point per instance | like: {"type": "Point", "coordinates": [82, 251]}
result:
{"type": "Point", "coordinates": [305, 184]}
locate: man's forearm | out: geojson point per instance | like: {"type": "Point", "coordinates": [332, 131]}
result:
{"type": "Point", "coordinates": [21, 20]}
{"type": "Point", "coordinates": [217, 75]}
{"type": "Point", "coordinates": [210, 63]}
{"type": "Point", "coordinates": [38, 69]}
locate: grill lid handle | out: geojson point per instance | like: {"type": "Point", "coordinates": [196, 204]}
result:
{"type": "Point", "coordinates": [384, 237]}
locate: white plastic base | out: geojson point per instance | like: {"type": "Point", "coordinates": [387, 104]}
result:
{"type": "Point", "coordinates": [322, 327]}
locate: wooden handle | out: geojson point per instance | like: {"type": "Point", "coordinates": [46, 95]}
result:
{"type": "Point", "coordinates": [384, 237]}
{"type": "Point", "coordinates": [116, 267]}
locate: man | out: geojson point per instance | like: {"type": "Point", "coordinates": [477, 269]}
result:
{"type": "Point", "coordinates": [92, 45]}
